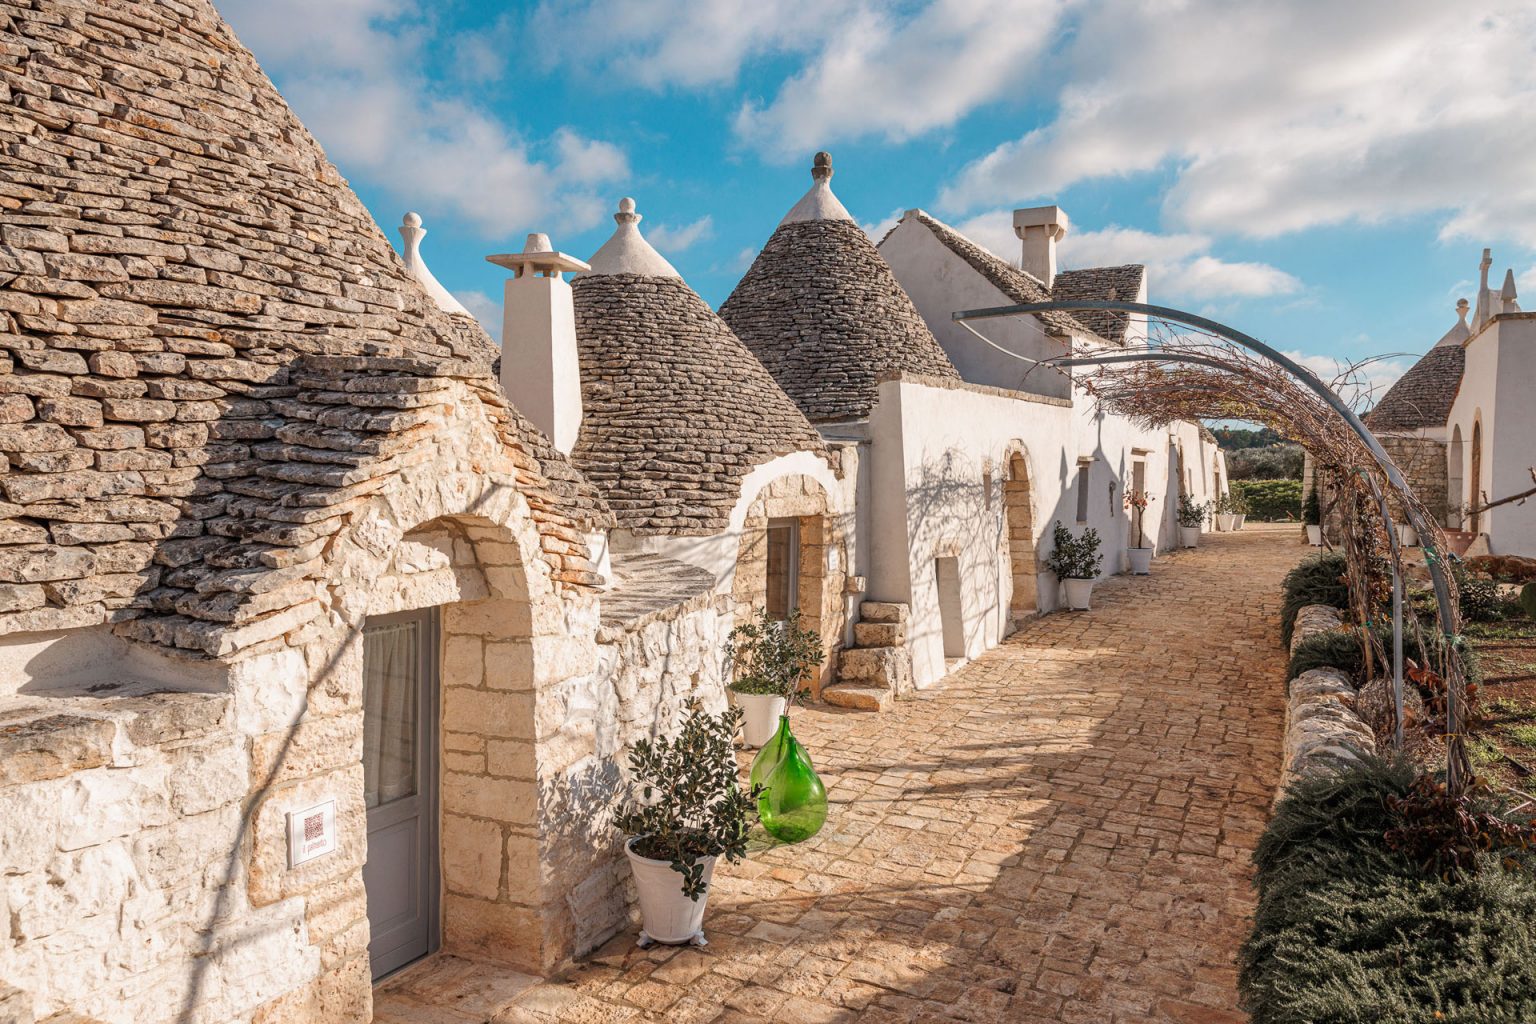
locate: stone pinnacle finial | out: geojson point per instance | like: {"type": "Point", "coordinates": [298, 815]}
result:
{"type": "Point", "coordinates": [627, 214]}
{"type": "Point", "coordinates": [1462, 307]}
{"type": "Point", "coordinates": [412, 232]}
{"type": "Point", "coordinates": [821, 168]}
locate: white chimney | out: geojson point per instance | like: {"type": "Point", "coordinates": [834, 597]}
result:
{"type": "Point", "coordinates": [540, 368]}
{"type": "Point", "coordinates": [1040, 228]}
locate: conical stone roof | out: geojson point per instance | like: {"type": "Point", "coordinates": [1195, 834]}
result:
{"type": "Point", "coordinates": [209, 353]}
{"type": "Point", "coordinates": [675, 410]}
{"type": "Point", "coordinates": [1422, 398]}
{"type": "Point", "coordinates": [822, 310]}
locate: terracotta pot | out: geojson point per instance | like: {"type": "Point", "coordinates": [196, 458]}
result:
{"type": "Point", "coordinates": [666, 915]}
{"type": "Point", "coordinates": [760, 716]}
{"type": "Point", "coordinates": [1189, 536]}
{"type": "Point", "coordinates": [1078, 594]}
{"type": "Point", "coordinates": [1141, 561]}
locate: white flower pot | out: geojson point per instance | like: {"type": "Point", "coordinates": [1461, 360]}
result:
{"type": "Point", "coordinates": [1189, 536]}
{"type": "Point", "coordinates": [666, 915]}
{"type": "Point", "coordinates": [1314, 535]}
{"type": "Point", "coordinates": [1078, 594]}
{"type": "Point", "coordinates": [1141, 560]}
{"type": "Point", "coordinates": [1224, 521]}
{"type": "Point", "coordinates": [1407, 536]}
{"type": "Point", "coordinates": [1238, 520]}
{"type": "Point", "coordinates": [759, 716]}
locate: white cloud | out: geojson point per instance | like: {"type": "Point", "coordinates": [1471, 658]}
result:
{"type": "Point", "coordinates": [1179, 266]}
{"type": "Point", "coordinates": [349, 75]}
{"type": "Point", "coordinates": [879, 228]}
{"type": "Point", "coordinates": [669, 239]}
{"type": "Point", "coordinates": [880, 74]}
{"type": "Point", "coordinates": [1361, 388]}
{"type": "Point", "coordinates": [1273, 118]}
{"type": "Point", "coordinates": [484, 309]}
{"type": "Point", "coordinates": [863, 69]}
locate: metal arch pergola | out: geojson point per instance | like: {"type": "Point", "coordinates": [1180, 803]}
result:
{"type": "Point", "coordinates": [1347, 415]}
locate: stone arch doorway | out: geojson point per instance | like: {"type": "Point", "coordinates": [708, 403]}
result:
{"type": "Point", "coordinates": [452, 801]}
{"type": "Point", "coordinates": [1475, 491]}
{"type": "Point", "coordinates": [1019, 520]}
{"type": "Point", "coordinates": [791, 558]}
{"type": "Point", "coordinates": [1455, 499]}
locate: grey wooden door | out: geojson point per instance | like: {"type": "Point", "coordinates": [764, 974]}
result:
{"type": "Point", "coordinates": [400, 659]}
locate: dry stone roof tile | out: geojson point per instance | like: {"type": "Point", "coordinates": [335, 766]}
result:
{"type": "Point", "coordinates": [675, 410]}
{"type": "Point", "coordinates": [209, 353]}
{"type": "Point", "coordinates": [1423, 396]}
{"type": "Point", "coordinates": [822, 310]}
{"type": "Point", "coordinates": [1103, 284]}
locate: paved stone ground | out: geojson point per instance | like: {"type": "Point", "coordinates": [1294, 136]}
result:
{"type": "Point", "coordinates": [1060, 832]}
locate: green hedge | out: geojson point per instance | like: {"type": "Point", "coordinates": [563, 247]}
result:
{"type": "Point", "coordinates": [1271, 500]}
{"type": "Point", "coordinates": [1348, 931]}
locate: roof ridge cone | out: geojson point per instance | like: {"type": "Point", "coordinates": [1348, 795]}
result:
{"type": "Point", "coordinates": [819, 202]}
{"type": "Point", "coordinates": [627, 251]}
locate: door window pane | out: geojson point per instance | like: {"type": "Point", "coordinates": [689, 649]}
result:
{"type": "Point", "coordinates": [391, 682]}
{"type": "Point", "coordinates": [783, 545]}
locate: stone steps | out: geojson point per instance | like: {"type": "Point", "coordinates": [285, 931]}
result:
{"type": "Point", "coordinates": [879, 669]}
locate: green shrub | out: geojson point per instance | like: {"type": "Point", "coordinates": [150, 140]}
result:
{"type": "Point", "coordinates": [1528, 599]}
{"type": "Point", "coordinates": [1074, 558]}
{"type": "Point", "coordinates": [1347, 931]}
{"type": "Point", "coordinates": [1341, 649]}
{"type": "Point", "coordinates": [1312, 508]}
{"type": "Point", "coordinates": [1317, 579]}
{"type": "Point", "coordinates": [1479, 597]}
{"type": "Point", "coordinates": [1270, 501]}
{"type": "Point", "coordinates": [1276, 462]}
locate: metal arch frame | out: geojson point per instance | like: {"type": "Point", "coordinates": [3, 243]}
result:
{"type": "Point", "coordinates": [1315, 384]}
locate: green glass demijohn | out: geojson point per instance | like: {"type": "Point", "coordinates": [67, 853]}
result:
{"type": "Point", "coordinates": [793, 804]}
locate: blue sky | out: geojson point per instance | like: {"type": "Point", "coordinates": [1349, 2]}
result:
{"type": "Point", "coordinates": [1322, 175]}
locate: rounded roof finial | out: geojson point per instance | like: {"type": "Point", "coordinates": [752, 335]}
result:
{"type": "Point", "coordinates": [821, 167]}
{"type": "Point", "coordinates": [627, 214]}
{"type": "Point", "coordinates": [1462, 305]}
{"type": "Point", "coordinates": [412, 220]}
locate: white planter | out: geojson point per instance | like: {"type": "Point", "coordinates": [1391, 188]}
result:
{"type": "Point", "coordinates": [1314, 535]}
{"type": "Point", "coordinates": [1407, 536]}
{"type": "Point", "coordinates": [666, 915]}
{"type": "Point", "coordinates": [1224, 521]}
{"type": "Point", "coordinates": [1189, 536]}
{"type": "Point", "coordinates": [760, 716]}
{"type": "Point", "coordinates": [1238, 520]}
{"type": "Point", "coordinates": [1078, 594]}
{"type": "Point", "coordinates": [1141, 560]}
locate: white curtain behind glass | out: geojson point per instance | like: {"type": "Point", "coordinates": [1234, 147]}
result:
{"type": "Point", "coordinates": [391, 676]}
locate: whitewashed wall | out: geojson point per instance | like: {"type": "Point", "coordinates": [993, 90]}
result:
{"type": "Point", "coordinates": [1499, 387]}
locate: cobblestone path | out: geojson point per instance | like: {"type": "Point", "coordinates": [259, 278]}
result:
{"type": "Point", "coordinates": [1059, 832]}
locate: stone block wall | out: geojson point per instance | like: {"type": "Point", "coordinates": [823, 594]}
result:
{"type": "Point", "coordinates": [1423, 462]}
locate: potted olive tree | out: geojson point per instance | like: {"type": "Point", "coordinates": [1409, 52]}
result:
{"type": "Point", "coordinates": [769, 661]}
{"type": "Point", "coordinates": [1240, 509]}
{"type": "Point", "coordinates": [1226, 513]}
{"type": "Point", "coordinates": [683, 811]}
{"type": "Point", "coordinates": [1191, 517]}
{"type": "Point", "coordinates": [1136, 503]}
{"type": "Point", "coordinates": [1075, 561]}
{"type": "Point", "coordinates": [1312, 515]}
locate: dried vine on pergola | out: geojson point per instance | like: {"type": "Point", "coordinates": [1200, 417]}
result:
{"type": "Point", "coordinates": [1186, 373]}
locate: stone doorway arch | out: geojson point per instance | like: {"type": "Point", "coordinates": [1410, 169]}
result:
{"type": "Point", "coordinates": [819, 572]}
{"type": "Point", "coordinates": [1019, 521]}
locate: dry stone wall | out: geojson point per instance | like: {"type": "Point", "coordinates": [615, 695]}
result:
{"type": "Point", "coordinates": [1323, 723]}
